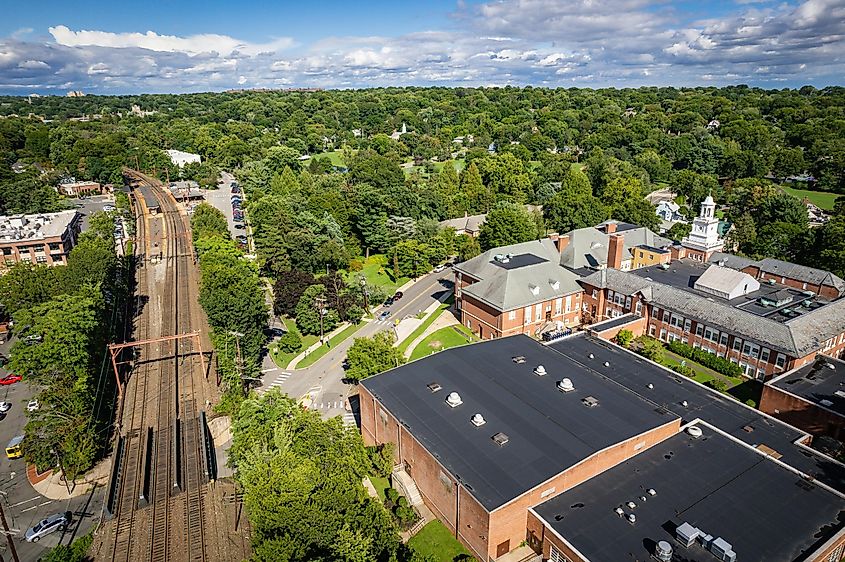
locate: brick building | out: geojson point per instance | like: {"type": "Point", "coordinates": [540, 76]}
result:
{"type": "Point", "coordinates": [811, 397]}
{"type": "Point", "coordinates": [43, 239]}
{"type": "Point", "coordinates": [79, 188]}
{"type": "Point", "coordinates": [491, 439]}
{"type": "Point", "coordinates": [518, 289]}
{"type": "Point", "coordinates": [766, 328]}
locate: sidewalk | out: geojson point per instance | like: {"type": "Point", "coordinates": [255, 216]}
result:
{"type": "Point", "coordinates": [445, 319]}
{"type": "Point", "coordinates": [50, 485]}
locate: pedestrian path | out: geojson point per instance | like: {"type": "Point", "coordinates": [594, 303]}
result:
{"type": "Point", "coordinates": [278, 381]}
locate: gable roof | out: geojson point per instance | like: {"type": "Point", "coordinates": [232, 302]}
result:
{"type": "Point", "coordinates": [801, 273]}
{"type": "Point", "coordinates": [588, 246]}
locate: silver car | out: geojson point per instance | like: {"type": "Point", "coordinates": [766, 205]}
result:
{"type": "Point", "coordinates": [57, 521]}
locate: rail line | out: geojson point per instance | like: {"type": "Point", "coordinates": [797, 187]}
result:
{"type": "Point", "coordinates": [163, 462]}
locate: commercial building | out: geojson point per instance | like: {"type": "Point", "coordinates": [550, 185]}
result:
{"type": "Point", "coordinates": [764, 326]}
{"type": "Point", "coordinates": [517, 289]}
{"type": "Point", "coordinates": [510, 441]}
{"type": "Point", "coordinates": [44, 238]}
{"type": "Point", "coordinates": [180, 158]}
{"type": "Point", "coordinates": [811, 397]}
{"type": "Point", "coordinates": [79, 188]}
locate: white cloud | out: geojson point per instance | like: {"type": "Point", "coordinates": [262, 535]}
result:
{"type": "Point", "coordinates": [193, 44]}
{"type": "Point", "coordinates": [33, 64]}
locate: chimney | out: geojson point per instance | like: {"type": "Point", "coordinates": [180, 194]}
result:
{"type": "Point", "coordinates": [562, 243]}
{"type": "Point", "coordinates": [610, 228]}
{"type": "Point", "coordinates": [616, 246]}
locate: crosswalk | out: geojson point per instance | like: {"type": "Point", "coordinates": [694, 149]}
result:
{"type": "Point", "coordinates": [387, 322]}
{"type": "Point", "coordinates": [337, 404]}
{"type": "Point", "coordinates": [278, 381]}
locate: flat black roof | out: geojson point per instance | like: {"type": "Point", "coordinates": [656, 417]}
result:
{"type": "Point", "coordinates": [669, 390]}
{"type": "Point", "coordinates": [519, 260]}
{"type": "Point", "coordinates": [614, 322]}
{"type": "Point", "coordinates": [821, 380]}
{"type": "Point", "coordinates": [764, 510]}
{"type": "Point", "coordinates": [547, 430]}
{"type": "Point", "coordinates": [149, 196]}
{"type": "Point", "coordinates": [785, 303]}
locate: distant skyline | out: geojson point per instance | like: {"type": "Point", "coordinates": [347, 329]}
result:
{"type": "Point", "coordinates": [104, 47]}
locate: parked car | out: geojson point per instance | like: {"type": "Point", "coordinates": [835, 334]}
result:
{"type": "Point", "coordinates": [32, 406]}
{"type": "Point", "coordinates": [3, 359]}
{"type": "Point", "coordinates": [108, 208]}
{"type": "Point", "coordinates": [388, 301]}
{"type": "Point", "coordinates": [439, 268]}
{"type": "Point", "coordinates": [57, 521]}
{"type": "Point", "coordinates": [5, 407]}
{"type": "Point", "coordinates": [398, 295]}
{"type": "Point", "coordinates": [10, 379]}
{"type": "Point", "coordinates": [384, 315]}
{"type": "Point", "coordinates": [235, 189]}
{"type": "Point", "coordinates": [240, 226]}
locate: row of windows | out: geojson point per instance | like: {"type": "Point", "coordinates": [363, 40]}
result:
{"type": "Point", "coordinates": [538, 310]}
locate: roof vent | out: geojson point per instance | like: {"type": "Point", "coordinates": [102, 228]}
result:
{"type": "Point", "coordinates": [477, 420]}
{"type": "Point", "coordinates": [684, 403]}
{"type": "Point", "coordinates": [663, 551]}
{"type": "Point", "coordinates": [830, 366]}
{"type": "Point", "coordinates": [591, 356]}
{"type": "Point", "coordinates": [607, 363]}
{"type": "Point", "coordinates": [650, 386]}
{"type": "Point", "coordinates": [632, 518]}
{"type": "Point", "coordinates": [519, 359]}
{"type": "Point", "coordinates": [590, 401]}
{"type": "Point", "coordinates": [434, 387]}
{"type": "Point", "coordinates": [619, 511]}
{"type": "Point", "coordinates": [454, 399]}
{"type": "Point", "coordinates": [651, 492]}
{"type": "Point", "coordinates": [501, 258]}
{"type": "Point", "coordinates": [500, 439]}
{"type": "Point", "coordinates": [565, 385]}
{"type": "Point", "coordinates": [555, 284]}
{"type": "Point", "coordinates": [631, 505]}
{"type": "Point", "coordinates": [826, 403]}
{"type": "Point", "coordinates": [694, 431]}
{"type": "Point", "coordinates": [540, 371]}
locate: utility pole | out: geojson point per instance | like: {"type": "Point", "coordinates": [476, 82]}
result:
{"type": "Point", "coordinates": [55, 451]}
{"type": "Point", "coordinates": [320, 303]}
{"type": "Point", "coordinates": [8, 534]}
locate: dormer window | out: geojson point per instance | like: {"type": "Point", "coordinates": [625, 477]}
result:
{"type": "Point", "coordinates": [535, 290]}
{"type": "Point", "coordinates": [555, 284]}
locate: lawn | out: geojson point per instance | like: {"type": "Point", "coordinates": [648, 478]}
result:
{"type": "Point", "coordinates": [444, 338]}
{"type": "Point", "coordinates": [379, 273]}
{"type": "Point", "coordinates": [437, 541]}
{"type": "Point", "coordinates": [283, 359]}
{"type": "Point", "coordinates": [336, 157]}
{"type": "Point", "coordinates": [425, 324]}
{"type": "Point", "coordinates": [312, 357]}
{"type": "Point", "coordinates": [822, 199]}
{"type": "Point", "coordinates": [380, 484]}
{"type": "Point", "coordinates": [739, 388]}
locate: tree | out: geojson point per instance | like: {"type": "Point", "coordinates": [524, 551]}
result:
{"type": "Point", "coordinates": [478, 197]}
{"type": "Point", "coordinates": [678, 231]}
{"type": "Point", "coordinates": [466, 247]}
{"type": "Point", "coordinates": [207, 221]}
{"type": "Point", "coordinates": [288, 290]}
{"type": "Point", "coordinates": [624, 337]}
{"type": "Point", "coordinates": [569, 210]}
{"type": "Point", "coordinates": [26, 285]}
{"type": "Point", "coordinates": [743, 234]}
{"type": "Point", "coordinates": [371, 356]}
{"type": "Point", "coordinates": [290, 342]}
{"type": "Point", "coordinates": [414, 258]}
{"type": "Point", "coordinates": [309, 310]}
{"type": "Point", "coordinates": [507, 223]}
{"type": "Point", "coordinates": [651, 348]}
{"type": "Point", "coordinates": [624, 200]}
{"type": "Point", "coordinates": [782, 207]}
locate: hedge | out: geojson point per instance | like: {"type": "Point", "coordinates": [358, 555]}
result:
{"type": "Point", "coordinates": [718, 364]}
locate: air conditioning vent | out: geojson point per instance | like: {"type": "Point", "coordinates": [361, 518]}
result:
{"type": "Point", "coordinates": [519, 359]}
{"type": "Point", "coordinates": [540, 371]}
{"type": "Point", "coordinates": [477, 420]}
{"type": "Point", "coordinates": [454, 399]}
{"type": "Point", "coordinates": [500, 439]}
{"type": "Point", "coordinates": [565, 385]}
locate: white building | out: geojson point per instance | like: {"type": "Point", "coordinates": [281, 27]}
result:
{"type": "Point", "coordinates": [181, 158]}
{"type": "Point", "coordinates": [669, 211]}
{"type": "Point", "coordinates": [704, 237]}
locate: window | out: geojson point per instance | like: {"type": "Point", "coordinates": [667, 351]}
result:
{"type": "Point", "coordinates": [761, 374]}
{"type": "Point", "coordinates": [538, 312]}
{"type": "Point", "coordinates": [568, 303]}
{"type": "Point", "coordinates": [666, 315]}
{"type": "Point", "coordinates": [642, 255]}
{"type": "Point", "coordinates": [663, 334]}
{"type": "Point", "coordinates": [54, 247]}
{"type": "Point", "coordinates": [687, 325]}
{"type": "Point", "coordinates": [781, 360]}
{"type": "Point", "coordinates": [804, 286]}
{"type": "Point", "coordinates": [651, 330]}
{"type": "Point", "coordinates": [639, 308]}
{"type": "Point", "coordinates": [737, 344]}
{"type": "Point", "coordinates": [699, 329]}
{"type": "Point", "coordinates": [595, 293]}
{"type": "Point", "coordinates": [7, 251]}
{"type": "Point", "coordinates": [751, 350]}
{"type": "Point", "coordinates": [526, 315]}
{"type": "Point", "coordinates": [558, 305]}
{"type": "Point", "coordinates": [628, 303]}
{"type": "Point", "coordinates": [41, 259]}
{"type": "Point", "coordinates": [557, 556]}
{"type": "Point", "coordinates": [764, 354]}
{"type": "Point", "coordinates": [512, 315]}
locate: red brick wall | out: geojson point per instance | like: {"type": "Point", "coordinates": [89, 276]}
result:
{"type": "Point", "coordinates": [638, 327]}
{"type": "Point", "coordinates": [823, 290]}
{"type": "Point", "coordinates": [801, 413]}
{"type": "Point", "coordinates": [485, 320]}
{"type": "Point", "coordinates": [836, 544]}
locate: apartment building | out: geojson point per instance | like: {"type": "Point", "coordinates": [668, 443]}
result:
{"type": "Point", "coordinates": [41, 239]}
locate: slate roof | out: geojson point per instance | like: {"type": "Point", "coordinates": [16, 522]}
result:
{"type": "Point", "coordinates": [588, 246]}
{"type": "Point", "coordinates": [471, 223]}
{"type": "Point", "coordinates": [801, 273]}
{"type": "Point", "coordinates": [548, 431]}
{"type": "Point", "coordinates": [508, 286]}
{"type": "Point", "coordinates": [765, 511]}
{"type": "Point", "coordinates": [797, 337]}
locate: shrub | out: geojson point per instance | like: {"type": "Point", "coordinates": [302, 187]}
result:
{"type": "Point", "coordinates": [624, 337]}
{"type": "Point", "coordinates": [751, 402]}
{"type": "Point", "coordinates": [382, 459]}
{"type": "Point", "coordinates": [718, 384]}
{"type": "Point", "coordinates": [683, 370]}
{"type": "Point", "coordinates": [391, 495]}
{"type": "Point", "coordinates": [650, 348]}
{"type": "Point", "coordinates": [402, 501]}
{"type": "Point", "coordinates": [718, 364]}
{"type": "Point", "coordinates": [356, 265]}
{"type": "Point", "coordinates": [290, 342]}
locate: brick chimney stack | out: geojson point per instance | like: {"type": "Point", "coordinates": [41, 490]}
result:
{"type": "Point", "coordinates": [561, 242]}
{"type": "Point", "coordinates": [610, 228]}
{"type": "Point", "coordinates": [616, 247]}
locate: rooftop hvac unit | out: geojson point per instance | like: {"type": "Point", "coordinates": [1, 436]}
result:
{"type": "Point", "coordinates": [826, 403]}
{"type": "Point", "coordinates": [434, 387]}
{"type": "Point", "coordinates": [771, 281]}
{"type": "Point", "coordinates": [565, 385]}
{"type": "Point", "coordinates": [619, 511]}
{"type": "Point", "coordinates": [500, 439]}
{"type": "Point", "coordinates": [632, 518]}
{"type": "Point", "coordinates": [686, 534]}
{"type": "Point", "coordinates": [540, 371]}
{"type": "Point", "coordinates": [663, 552]}
{"type": "Point", "coordinates": [722, 550]}
{"type": "Point", "coordinates": [454, 399]}
{"type": "Point", "coordinates": [590, 401]}
{"type": "Point", "coordinates": [477, 420]}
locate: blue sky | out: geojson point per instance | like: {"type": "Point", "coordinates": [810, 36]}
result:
{"type": "Point", "coordinates": [118, 47]}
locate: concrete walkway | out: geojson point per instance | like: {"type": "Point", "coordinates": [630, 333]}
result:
{"type": "Point", "coordinates": [446, 318]}
{"type": "Point", "coordinates": [50, 484]}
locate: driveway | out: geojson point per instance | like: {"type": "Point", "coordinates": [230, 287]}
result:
{"type": "Point", "coordinates": [23, 506]}
{"type": "Point", "coordinates": [323, 382]}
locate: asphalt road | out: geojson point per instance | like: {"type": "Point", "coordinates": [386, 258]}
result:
{"type": "Point", "coordinates": [324, 379]}
{"type": "Point", "coordinates": [23, 506]}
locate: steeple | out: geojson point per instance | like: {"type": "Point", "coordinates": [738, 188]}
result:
{"type": "Point", "coordinates": [704, 236]}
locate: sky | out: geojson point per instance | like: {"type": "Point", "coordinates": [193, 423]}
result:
{"type": "Point", "coordinates": [108, 47]}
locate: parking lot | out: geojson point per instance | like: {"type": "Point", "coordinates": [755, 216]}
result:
{"type": "Point", "coordinates": [89, 206]}
{"type": "Point", "coordinates": [23, 506]}
{"type": "Point", "coordinates": [221, 199]}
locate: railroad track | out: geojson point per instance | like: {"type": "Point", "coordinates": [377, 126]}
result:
{"type": "Point", "coordinates": [165, 443]}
